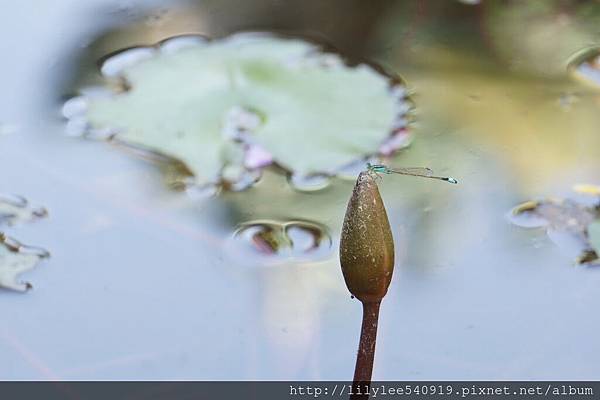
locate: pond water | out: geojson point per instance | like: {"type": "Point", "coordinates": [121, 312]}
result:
{"type": "Point", "coordinates": [149, 283]}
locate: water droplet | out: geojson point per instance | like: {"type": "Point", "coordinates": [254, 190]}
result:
{"type": "Point", "coordinates": [316, 59]}
{"type": "Point", "coordinates": [281, 241]}
{"type": "Point", "coordinates": [256, 156]}
{"type": "Point", "coordinates": [240, 121]}
{"type": "Point", "coordinates": [403, 107]}
{"type": "Point", "coordinates": [75, 107]}
{"type": "Point", "coordinates": [201, 192]}
{"type": "Point", "coordinates": [174, 44]}
{"type": "Point", "coordinates": [399, 93]}
{"type": "Point", "coordinates": [232, 173]}
{"type": "Point", "coordinates": [77, 126]}
{"type": "Point", "coordinates": [114, 65]}
{"type": "Point", "coordinates": [585, 66]}
{"type": "Point", "coordinates": [309, 183]}
{"type": "Point", "coordinates": [245, 180]}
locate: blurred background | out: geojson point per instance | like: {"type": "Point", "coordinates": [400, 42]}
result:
{"type": "Point", "coordinates": [149, 283]}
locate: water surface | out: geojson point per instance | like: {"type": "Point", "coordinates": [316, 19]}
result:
{"type": "Point", "coordinates": [143, 283]}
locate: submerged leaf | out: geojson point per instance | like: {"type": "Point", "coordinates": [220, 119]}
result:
{"type": "Point", "coordinates": [277, 100]}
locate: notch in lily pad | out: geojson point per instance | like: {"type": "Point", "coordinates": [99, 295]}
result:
{"type": "Point", "coordinates": [243, 103]}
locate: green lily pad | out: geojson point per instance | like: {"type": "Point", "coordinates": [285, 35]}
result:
{"type": "Point", "coordinates": [247, 101]}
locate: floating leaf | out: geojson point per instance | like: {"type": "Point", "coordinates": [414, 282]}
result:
{"type": "Point", "coordinates": [15, 209]}
{"type": "Point", "coordinates": [15, 259]}
{"type": "Point", "coordinates": [568, 223]}
{"type": "Point", "coordinates": [249, 100]}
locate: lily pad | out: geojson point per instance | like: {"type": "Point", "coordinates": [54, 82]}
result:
{"type": "Point", "coordinates": [16, 258]}
{"type": "Point", "coordinates": [15, 209]}
{"type": "Point", "coordinates": [569, 223]}
{"type": "Point", "coordinates": [248, 100]}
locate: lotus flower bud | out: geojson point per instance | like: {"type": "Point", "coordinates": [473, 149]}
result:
{"type": "Point", "coordinates": [367, 245]}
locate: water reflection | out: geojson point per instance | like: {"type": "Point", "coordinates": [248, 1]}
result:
{"type": "Point", "coordinates": [285, 241]}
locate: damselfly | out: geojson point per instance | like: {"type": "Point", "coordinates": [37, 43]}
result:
{"type": "Point", "coordinates": [423, 172]}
